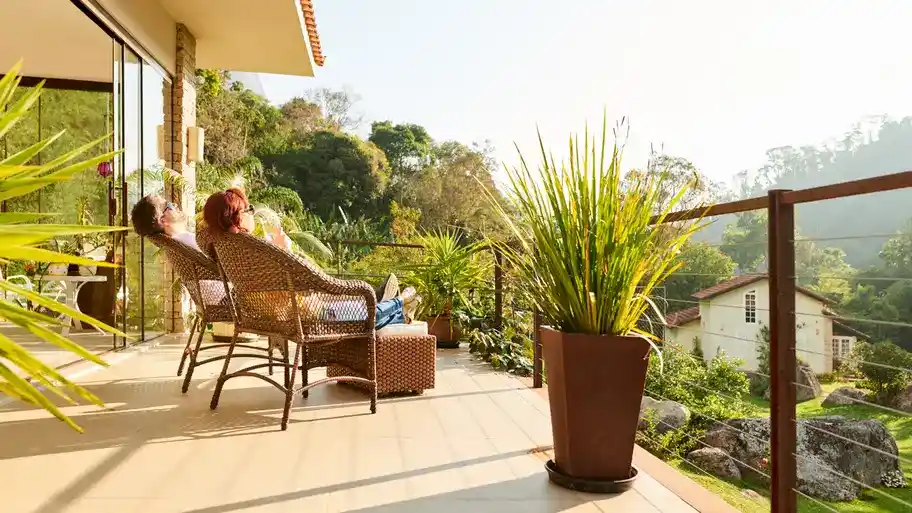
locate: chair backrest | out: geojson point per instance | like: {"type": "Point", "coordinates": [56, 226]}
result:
{"type": "Point", "coordinates": [276, 292]}
{"type": "Point", "coordinates": [196, 271]}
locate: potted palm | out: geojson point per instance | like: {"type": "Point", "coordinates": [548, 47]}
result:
{"type": "Point", "coordinates": [587, 254]}
{"type": "Point", "coordinates": [450, 268]}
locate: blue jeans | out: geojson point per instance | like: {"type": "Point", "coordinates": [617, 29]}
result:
{"type": "Point", "coordinates": [387, 312]}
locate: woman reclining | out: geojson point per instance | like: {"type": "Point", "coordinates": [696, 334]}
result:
{"type": "Point", "coordinates": [231, 212]}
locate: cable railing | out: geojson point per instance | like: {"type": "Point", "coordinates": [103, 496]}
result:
{"type": "Point", "coordinates": [860, 428]}
{"type": "Point", "coordinates": [775, 428]}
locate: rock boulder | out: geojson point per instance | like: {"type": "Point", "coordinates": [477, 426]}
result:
{"type": "Point", "coordinates": [829, 448]}
{"type": "Point", "coordinates": [807, 386]}
{"type": "Point", "coordinates": [667, 415]}
{"type": "Point", "coordinates": [904, 400]}
{"type": "Point", "coordinates": [844, 396]}
{"type": "Point", "coordinates": [715, 461]}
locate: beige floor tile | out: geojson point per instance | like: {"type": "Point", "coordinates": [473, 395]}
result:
{"type": "Point", "coordinates": [659, 496]}
{"type": "Point", "coordinates": [465, 446]}
{"type": "Point", "coordinates": [624, 502]}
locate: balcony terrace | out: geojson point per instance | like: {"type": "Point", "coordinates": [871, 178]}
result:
{"type": "Point", "coordinates": [477, 442]}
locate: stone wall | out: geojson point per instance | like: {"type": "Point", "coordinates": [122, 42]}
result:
{"type": "Point", "coordinates": [182, 99]}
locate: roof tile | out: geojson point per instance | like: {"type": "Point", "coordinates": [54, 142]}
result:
{"type": "Point", "coordinates": [682, 316]}
{"type": "Point", "coordinates": [311, 22]}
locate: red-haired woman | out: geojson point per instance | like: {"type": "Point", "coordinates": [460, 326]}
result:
{"type": "Point", "coordinates": [230, 212]}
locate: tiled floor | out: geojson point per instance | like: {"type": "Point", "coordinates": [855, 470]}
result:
{"type": "Point", "coordinates": [53, 355]}
{"type": "Point", "coordinates": [466, 446]}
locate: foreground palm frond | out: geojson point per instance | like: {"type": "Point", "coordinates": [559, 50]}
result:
{"type": "Point", "coordinates": [586, 248]}
{"type": "Point", "coordinates": [22, 239]}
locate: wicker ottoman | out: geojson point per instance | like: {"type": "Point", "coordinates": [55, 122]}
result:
{"type": "Point", "coordinates": [406, 363]}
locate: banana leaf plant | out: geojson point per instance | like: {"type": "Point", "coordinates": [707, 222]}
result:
{"type": "Point", "coordinates": [24, 238]}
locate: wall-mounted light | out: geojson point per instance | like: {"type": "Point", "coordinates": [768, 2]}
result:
{"type": "Point", "coordinates": [160, 134]}
{"type": "Point", "coordinates": [195, 143]}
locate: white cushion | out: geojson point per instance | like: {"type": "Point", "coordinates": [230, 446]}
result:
{"type": "Point", "coordinates": [415, 328]}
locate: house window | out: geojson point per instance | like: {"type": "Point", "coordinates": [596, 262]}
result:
{"type": "Point", "coordinates": [750, 307]}
{"type": "Point", "coordinates": [842, 347]}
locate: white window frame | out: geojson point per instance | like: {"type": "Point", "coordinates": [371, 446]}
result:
{"type": "Point", "coordinates": [839, 343]}
{"type": "Point", "coordinates": [750, 307]}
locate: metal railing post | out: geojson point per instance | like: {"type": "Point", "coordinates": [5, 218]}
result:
{"type": "Point", "coordinates": [498, 288]}
{"type": "Point", "coordinates": [537, 366]}
{"type": "Point", "coordinates": [783, 429]}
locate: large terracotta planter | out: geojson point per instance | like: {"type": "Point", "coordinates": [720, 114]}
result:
{"type": "Point", "coordinates": [447, 332]}
{"type": "Point", "coordinates": [595, 385]}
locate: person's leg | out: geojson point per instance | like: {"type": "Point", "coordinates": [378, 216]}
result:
{"type": "Point", "coordinates": [389, 312]}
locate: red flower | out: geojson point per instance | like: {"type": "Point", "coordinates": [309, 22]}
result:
{"type": "Point", "coordinates": [105, 169]}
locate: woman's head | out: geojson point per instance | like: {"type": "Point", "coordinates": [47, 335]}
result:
{"type": "Point", "coordinates": [229, 212]}
{"type": "Point", "coordinates": [154, 214]}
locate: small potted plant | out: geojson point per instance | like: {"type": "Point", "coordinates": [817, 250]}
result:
{"type": "Point", "coordinates": [450, 268]}
{"type": "Point", "coordinates": [588, 253]}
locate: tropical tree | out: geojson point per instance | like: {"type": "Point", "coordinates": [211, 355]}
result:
{"type": "Point", "coordinates": [407, 147]}
{"type": "Point", "coordinates": [333, 170]}
{"type": "Point", "coordinates": [23, 238]}
{"type": "Point", "coordinates": [702, 266]}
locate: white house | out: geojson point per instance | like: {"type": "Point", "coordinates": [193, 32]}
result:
{"type": "Point", "coordinates": [730, 315]}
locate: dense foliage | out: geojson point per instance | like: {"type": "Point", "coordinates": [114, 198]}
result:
{"type": "Point", "coordinates": [713, 392]}
{"type": "Point", "coordinates": [885, 368]}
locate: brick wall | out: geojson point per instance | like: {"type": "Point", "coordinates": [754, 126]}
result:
{"type": "Point", "coordinates": [183, 115]}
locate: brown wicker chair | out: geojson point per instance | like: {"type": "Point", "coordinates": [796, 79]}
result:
{"type": "Point", "coordinates": [282, 296]}
{"type": "Point", "coordinates": [200, 276]}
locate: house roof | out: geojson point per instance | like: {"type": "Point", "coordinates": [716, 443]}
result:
{"type": "Point", "coordinates": [840, 328]}
{"type": "Point", "coordinates": [680, 317]}
{"type": "Point", "coordinates": [311, 22]}
{"type": "Point", "coordinates": [745, 280]}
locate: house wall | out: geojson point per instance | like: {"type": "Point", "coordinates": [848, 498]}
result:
{"type": "Point", "coordinates": [725, 329]}
{"type": "Point", "coordinates": [183, 116]}
{"type": "Point", "coordinates": [150, 24]}
{"type": "Point", "coordinates": [684, 334]}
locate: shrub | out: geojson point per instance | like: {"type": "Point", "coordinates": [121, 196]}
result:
{"type": "Point", "coordinates": [713, 390]}
{"type": "Point", "coordinates": [697, 351]}
{"type": "Point", "coordinates": [724, 377]}
{"type": "Point", "coordinates": [509, 348]}
{"type": "Point", "coordinates": [675, 443]}
{"type": "Point", "coordinates": [885, 368]}
{"type": "Point", "coordinates": [673, 379]}
{"type": "Point", "coordinates": [827, 378]}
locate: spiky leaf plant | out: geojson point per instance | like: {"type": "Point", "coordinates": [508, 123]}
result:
{"type": "Point", "coordinates": [586, 246]}
{"type": "Point", "coordinates": [23, 238]}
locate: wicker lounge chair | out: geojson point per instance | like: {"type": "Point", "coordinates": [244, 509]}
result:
{"type": "Point", "coordinates": [200, 276]}
{"type": "Point", "coordinates": [285, 297]}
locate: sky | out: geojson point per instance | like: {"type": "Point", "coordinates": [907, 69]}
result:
{"type": "Point", "coordinates": [717, 82]}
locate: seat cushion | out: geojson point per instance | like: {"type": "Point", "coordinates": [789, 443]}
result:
{"type": "Point", "coordinates": [414, 328]}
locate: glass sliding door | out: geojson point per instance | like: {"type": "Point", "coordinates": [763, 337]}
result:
{"type": "Point", "coordinates": [153, 134]}
{"type": "Point", "coordinates": [133, 182]}
{"type": "Point", "coordinates": [140, 171]}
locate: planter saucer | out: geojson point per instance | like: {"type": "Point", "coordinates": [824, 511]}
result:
{"type": "Point", "coordinates": [590, 485]}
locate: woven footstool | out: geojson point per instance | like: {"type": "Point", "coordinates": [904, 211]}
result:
{"type": "Point", "coordinates": [406, 361]}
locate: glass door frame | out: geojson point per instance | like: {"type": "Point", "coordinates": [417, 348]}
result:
{"type": "Point", "coordinates": [121, 193]}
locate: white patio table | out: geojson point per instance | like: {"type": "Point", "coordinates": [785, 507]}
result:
{"type": "Point", "coordinates": [72, 285]}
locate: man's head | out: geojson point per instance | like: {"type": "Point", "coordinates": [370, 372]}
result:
{"type": "Point", "coordinates": [154, 215]}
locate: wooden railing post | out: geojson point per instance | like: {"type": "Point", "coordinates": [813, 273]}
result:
{"type": "Point", "coordinates": [537, 366]}
{"type": "Point", "coordinates": [498, 288]}
{"type": "Point", "coordinates": [783, 429]}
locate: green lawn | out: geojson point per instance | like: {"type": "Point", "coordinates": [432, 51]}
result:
{"type": "Point", "coordinates": [868, 502]}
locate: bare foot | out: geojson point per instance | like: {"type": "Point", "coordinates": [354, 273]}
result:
{"type": "Point", "coordinates": [410, 300]}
